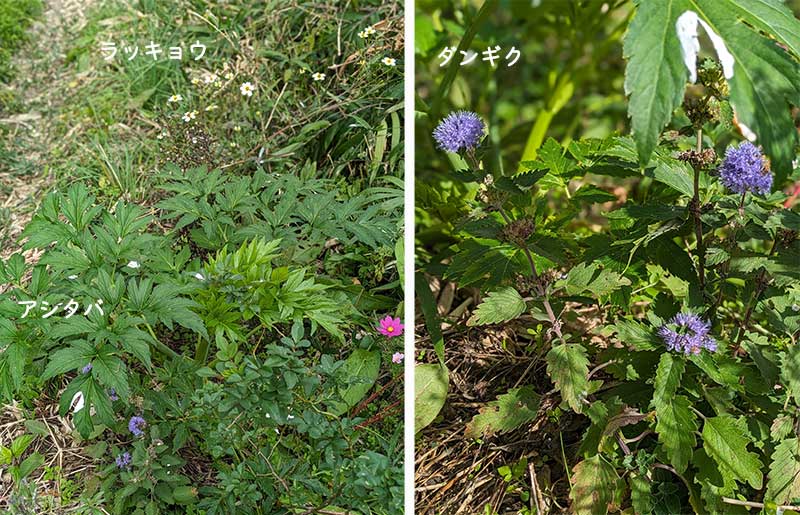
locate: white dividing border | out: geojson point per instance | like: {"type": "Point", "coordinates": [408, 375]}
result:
{"type": "Point", "coordinates": [409, 241]}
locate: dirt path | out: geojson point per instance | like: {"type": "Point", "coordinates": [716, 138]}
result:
{"type": "Point", "coordinates": [37, 92]}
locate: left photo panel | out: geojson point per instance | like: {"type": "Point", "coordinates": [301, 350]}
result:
{"type": "Point", "coordinates": [201, 257]}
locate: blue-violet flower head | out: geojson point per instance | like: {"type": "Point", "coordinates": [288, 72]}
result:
{"type": "Point", "coordinates": [136, 425]}
{"type": "Point", "coordinates": [123, 460]}
{"type": "Point", "coordinates": [687, 333]}
{"type": "Point", "coordinates": [460, 130]}
{"type": "Point", "coordinates": [87, 368]}
{"type": "Point", "coordinates": [745, 169]}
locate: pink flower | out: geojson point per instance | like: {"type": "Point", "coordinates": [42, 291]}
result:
{"type": "Point", "coordinates": [397, 357]}
{"type": "Point", "coordinates": [390, 327]}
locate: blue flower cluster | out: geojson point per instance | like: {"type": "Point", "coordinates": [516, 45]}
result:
{"type": "Point", "coordinates": [123, 460]}
{"type": "Point", "coordinates": [744, 169]}
{"type": "Point", "coordinates": [460, 130]}
{"type": "Point", "coordinates": [136, 425]}
{"type": "Point", "coordinates": [687, 333]}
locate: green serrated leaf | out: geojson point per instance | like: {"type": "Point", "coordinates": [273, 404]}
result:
{"type": "Point", "coordinates": [790, 371]}
{"type": "Point", "coordinates": [70, 358]}
{"type": "Point", "coordinates": [594, 483]}
{"type": "Point", "coordinates": [783, 484]}
{"type": "Point", "coordinates": [568, 367]}
{"type": "Point", "coordinates": [499, 305]}
{"type": "Point", "coordinates": [675, 422]}
{"type": "Point", "coordinates": [641, 496]}
{"type": "Point", "coordinates": [360, 371]}
{"type": "Point", "coordinates": [508, 412]}
{"type": "Point", "coordinates": [655, 76]}
{"type": "Point", "coordinates": [591, 278]}
{"type": "Point", "coordinates": [725, 440]}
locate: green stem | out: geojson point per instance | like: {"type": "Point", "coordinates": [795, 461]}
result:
{"type": "Point", "coordinates": [201, 351]}
{"type": "Point", "coordinates": [542, 291]}
{"type": "Point", "coordinates": [761, 285]}
{"type": "Point", "coordinates": [698, 224]}
{"type": "Point", "coordinates": [160, 346]}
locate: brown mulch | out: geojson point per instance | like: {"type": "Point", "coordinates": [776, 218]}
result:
{"type": "Point", "coordinates": [459, 475]}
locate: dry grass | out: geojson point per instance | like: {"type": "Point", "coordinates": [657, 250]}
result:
{"type": "Point", "coordinates": [40, 79]}
{"type": "Point", "coordinates": [458, 475]}
{"type": "Point", "coordinates": [58, 448]}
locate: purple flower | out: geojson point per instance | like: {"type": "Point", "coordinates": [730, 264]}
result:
{"type": "Point", "coordinates": [687, 333]}
{"type": "Point", "coordinates": [86, 369]}
{"type": "Point", "coordinates": [744, 169]}
{"type": "Point", "coordinates": [462, 129]}
{"type": "Point", "coordinates": [136, 424]}
{"type": "Point", "coordinates": [123, 460]}
{"type": "Point", "coordinates": [112, 394]}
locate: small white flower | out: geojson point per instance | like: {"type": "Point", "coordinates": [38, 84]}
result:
{"type": "Point", "coordinates": [795, 308]}
{"type": "Point", "coordinates": [317, 76]}
{"type": "Point", "coordinates": [174, 99]}
{"type": "Point", "coordinates": [236, 128]}
{"type": "Point", "coordinates": [247, 89]}
{"type": "Point", "coordinates": [276, 431]}
{"type": "Point", "coordinates": [389, 61]}
{"type": "Point", "coordinates": [72, 277]}
{"type": "Point", "coordinates": [212, 107]}
{"type": "Point", "coordinates": [268, 415]}
{"type": "Point", "coordinates": [232, 144]}
{"type": "Point", "coordinates": [210, 78]}
{"type": "Point", "coordinates": [189, 116]}
{"type": "Point", "coordinates": [289, 417]}
{"type": "Point", "coordinates": [369, 31]}
{"type": "Point", "coordinates": [161, 136]}
{"type": "Point", "coordinates": [133, 264]}
{"type": "Point", "coordinates": [199, 276]}
{"type": "Point", "coordinates": [228, 76]}
{"type": "Point", "coordinates": [362, 34]}
{"type": "Point", "coordinates": [195, 81]}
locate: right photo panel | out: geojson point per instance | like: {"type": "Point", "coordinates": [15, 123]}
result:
{"type": "Point", "coordinates": [607, 257]}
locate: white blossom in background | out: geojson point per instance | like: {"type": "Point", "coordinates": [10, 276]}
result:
{"type": "Point", "coordinates": [133, 264]}
{"type": "Point", "coordinates": [686, 27]}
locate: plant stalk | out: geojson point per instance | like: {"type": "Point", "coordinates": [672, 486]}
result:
{"type": "Point", "coordinates": [761, 285]}
{"type": "Point", "coordinates": [698, 224]}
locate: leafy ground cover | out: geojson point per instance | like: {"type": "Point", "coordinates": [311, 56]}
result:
{"type": "Point", "coordinates": [200, 289]}
{"type": "Point", "coordinates": [607, 267]}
